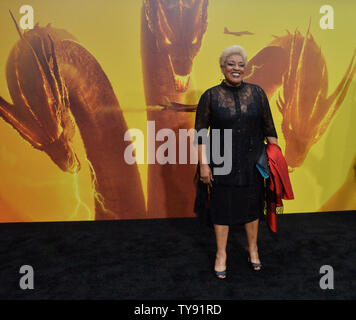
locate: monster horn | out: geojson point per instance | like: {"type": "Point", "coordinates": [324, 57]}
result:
{"type": "Point", "coordinates": [16, 25]}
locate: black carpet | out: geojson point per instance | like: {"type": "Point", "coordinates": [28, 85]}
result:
{"type": "Point", "coordinates": [173, 259]}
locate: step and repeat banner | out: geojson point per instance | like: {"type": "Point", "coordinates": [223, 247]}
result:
{"type": "Point", "coordinates": [97, 99]}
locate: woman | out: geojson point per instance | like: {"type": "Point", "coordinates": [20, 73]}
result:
{"type": "Point", "coordinates": [236, 197]}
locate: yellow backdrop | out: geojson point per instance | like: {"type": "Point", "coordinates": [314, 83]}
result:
{"type": "Point", "coordinates": [33, 188]}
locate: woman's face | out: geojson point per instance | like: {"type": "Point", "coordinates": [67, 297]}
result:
{"type": "Point", "coordinates": [233, 69]}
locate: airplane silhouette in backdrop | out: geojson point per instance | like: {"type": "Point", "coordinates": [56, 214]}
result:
{"type": "Point", "coordinates": [238, 34]}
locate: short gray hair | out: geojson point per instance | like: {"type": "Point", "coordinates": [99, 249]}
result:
{"type": "Point", "coordinates": [230, 51]}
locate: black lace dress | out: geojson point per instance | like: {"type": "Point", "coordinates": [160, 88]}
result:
{"type": "Point", "coordinates": [236, 197]}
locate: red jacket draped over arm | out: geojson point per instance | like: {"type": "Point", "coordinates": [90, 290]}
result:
{"type": "Point", "coordinates": [278, 184]}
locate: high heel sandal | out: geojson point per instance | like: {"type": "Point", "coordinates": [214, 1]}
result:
{"type": "Point", "coordinates": [220, 274]}
{"type": "Point", "coordinates": [254, 266]}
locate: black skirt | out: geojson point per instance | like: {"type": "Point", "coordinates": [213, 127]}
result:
{"type": "Point", "coordinates": [229, 205]}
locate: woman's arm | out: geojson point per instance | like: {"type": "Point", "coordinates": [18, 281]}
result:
{"type": "Point", "coordinates": [202, 122]}
{"type": "Point", "coordinates": [202, 157]}
{"type": "Point", "coordinates": [268, 128]}
{"type": "Point", "coordinates": [205, 172]}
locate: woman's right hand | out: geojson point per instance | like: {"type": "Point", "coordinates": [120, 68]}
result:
{"type": "Point", "coordinates": [206, 175]}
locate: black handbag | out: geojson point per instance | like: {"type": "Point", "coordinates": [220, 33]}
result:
{"type": "Point", "coordinates": [262, 163]}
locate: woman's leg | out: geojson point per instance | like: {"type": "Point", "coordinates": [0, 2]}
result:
{"type": "Point", "coordinates": [251, 233]}
{"type": "Point", "coordinates": [221, 233]}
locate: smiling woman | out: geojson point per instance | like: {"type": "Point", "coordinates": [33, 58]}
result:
{"type": "Point", "coordinates": [236, 197]}
{"type": "Point", "coordinates": [233, 61]}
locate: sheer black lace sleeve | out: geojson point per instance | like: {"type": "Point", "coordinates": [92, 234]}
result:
{"type": "Point", "coordinates": [202, 118]}
{"type": "Point", "coordinates": [268, 127]}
